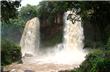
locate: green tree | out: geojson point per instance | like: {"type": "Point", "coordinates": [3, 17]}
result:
{"type": "Point", "coordinates": [50, 9]}
{"type": "Point", "coordinates": [9, 9]}
{"type": "Point", "coordinates": [28, 12]}
{"type": "Point", "coordinates": [98, 14]}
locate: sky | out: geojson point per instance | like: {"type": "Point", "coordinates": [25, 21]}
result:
{"type": "Point", "coordinates": [31, 2]}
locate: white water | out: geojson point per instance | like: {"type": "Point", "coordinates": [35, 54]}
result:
{"type": "Point", "coordinates": [31, 38]}
{"type": "Point", "coordinates": [69, 52]}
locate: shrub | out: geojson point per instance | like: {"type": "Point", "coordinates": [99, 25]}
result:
{"type": "Point", "coordinates": [96, 61]}
{"type": "Point", "coordinates": [10, 52]}
{"type": "Point", "coordinates": [108, 44]}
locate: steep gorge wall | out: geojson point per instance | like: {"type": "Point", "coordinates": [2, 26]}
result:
{"type": "Point", "coordinates": [94, 36]}
{"type": "Point", "coordinates": [51, 32]}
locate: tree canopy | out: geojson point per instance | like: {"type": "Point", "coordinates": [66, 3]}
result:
{"type": "Point", "coordinates": [9, 9]}
{"type": "Point", "coordinates": [27, 12]}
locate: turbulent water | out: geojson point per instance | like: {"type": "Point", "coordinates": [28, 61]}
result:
{"type": "Point", "coordinates": [70, 52]}
{"type": "Point", "coordinates": [73, 40]}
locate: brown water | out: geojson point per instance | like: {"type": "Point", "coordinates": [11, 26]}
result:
{"type": "Point", "coordinates": [39, 67]}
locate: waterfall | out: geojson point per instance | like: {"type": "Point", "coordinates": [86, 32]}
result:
{"type": "Point", "coordinates": [30, 38]}
{"type": "Point", "coordinates": [73, 52]}
{"type": "Point", "coordinates": [70, 51]}
{"type": "Point", "coordinates": [73, 32]}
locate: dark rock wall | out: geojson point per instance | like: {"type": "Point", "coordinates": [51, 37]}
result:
{"type": "Point", "coordinates": [51, 33]}
{"type": "Point", "coordinates": [94, 37]}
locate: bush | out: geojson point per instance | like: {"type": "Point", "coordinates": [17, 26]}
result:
{"type": "Point", "coordinates": [97, 61]}
{"type": "Point", "coordinates": [108, 44]}
{"type": "Point", "coordinates": [10, 52]}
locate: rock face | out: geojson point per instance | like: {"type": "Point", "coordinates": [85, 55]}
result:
{"type": "Point", "coordinates": [51, 31]}
{"type": "Point", "coordinates": [30, 38]}
{"type": "Point", "coordinates": [93, 34]}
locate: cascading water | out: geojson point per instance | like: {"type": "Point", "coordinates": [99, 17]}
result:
{"type": "Point", "coordinates": [70, 52]}
{"type": "Point", "coordinates": [73, 40]}
{"type": "Point", "coordinates": [31, 38]}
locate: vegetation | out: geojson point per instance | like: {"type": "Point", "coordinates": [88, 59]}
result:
{"type": "Point", "coordinates": [97, 13]}
{"type": "Point", "coordinates": [13, 22]}
{"type": "Point", "coordinates": [108, 44]}
{"type": "Point", "coordinates": [51, 13]}
{"type": "Point", "coordinates": [10, 52]}
{"type": "Point", "coordinates": [96, 61]}
{"type": "Point", "coordinates": [28, 12]}
{"type": "Point", "coordinates": [9, 9]}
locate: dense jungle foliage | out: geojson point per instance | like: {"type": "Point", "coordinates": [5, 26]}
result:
{"type": "Point", "coordinates": [10, 52]}
{"type": "Point", "coordinates": [94, 13]}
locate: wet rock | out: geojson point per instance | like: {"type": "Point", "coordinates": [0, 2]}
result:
{"type": "Point", "coordinates": [28, 55]}
{"type": "Point", "coordinates": [28, 71]}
